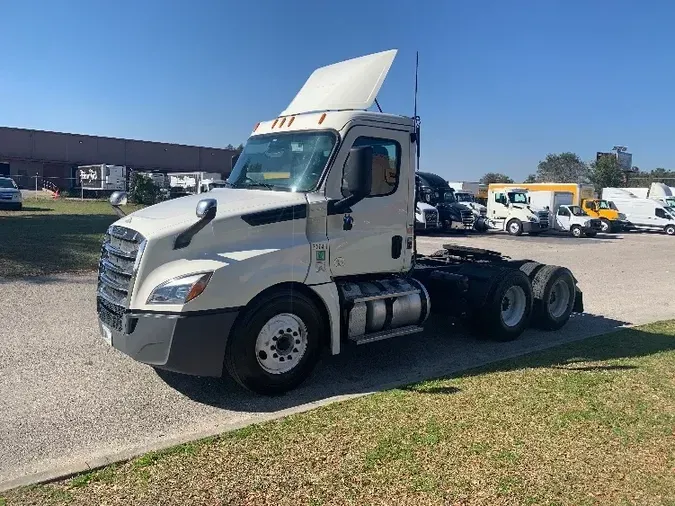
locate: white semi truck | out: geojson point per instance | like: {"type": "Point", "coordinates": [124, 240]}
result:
{"type": "Point", "coordinates": [509, 210]}
{"type": "Point", "coordinates": [657, 191]}
{"type": "Point", "coordinates": [311, 246]}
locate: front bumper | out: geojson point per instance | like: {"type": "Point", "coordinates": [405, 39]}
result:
{"type": "Point", "coordinates": [10, 204]}
{"type": "Point", "coordinates": [529, 226]}
{"type": "Point", "coordinates": [185, 343]}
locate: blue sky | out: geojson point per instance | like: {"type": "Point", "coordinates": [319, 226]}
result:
{"type": "Point", "coordinates": [501, 83]}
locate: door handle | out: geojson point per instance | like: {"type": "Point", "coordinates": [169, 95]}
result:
{"type": "Point", "coordinates": [396, 246]}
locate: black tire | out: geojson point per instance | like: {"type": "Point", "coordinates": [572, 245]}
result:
{"type": "Point", "coordinates": [605, 226]}
{"type": "Point", "coordinates": [489, 321]}
{"type": "Point", "coordinates": [670, 229]}
{"type": "Point", "coordinates": [241, 361]}
{"type": "Point", "coordinates": [481, 225]}
{"type": "Point", "coordinates": [514, 227]}
{"type": "Point", "coordinates": [576, 231]}
{"type": "Point", "coordinates": [530, 269]}
{"type": "Point", "coordinates": [544, 281]}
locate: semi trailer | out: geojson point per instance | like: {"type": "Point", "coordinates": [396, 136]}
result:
{"type": "Point", "coordinates": [311, 246]}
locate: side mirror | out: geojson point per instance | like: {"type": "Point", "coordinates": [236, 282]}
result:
{"type": "Point", "coordinates": [206, 209]}
{"type": "Point", "coordinates": [117, 199]}
{"type": "Point", "coordinates": [358, 173]}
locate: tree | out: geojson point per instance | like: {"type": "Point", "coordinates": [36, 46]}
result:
{"type": "Point", "coordinates": [495, 177]}
{"type": "Point", "coordinates": [563, 168]}
{"type": "Point", "coordinates": [532, 178]}
{"type": "Point", "coordinates": [230, 147]}
{"type": "Point", "coordinates": [142, 190]}
{"type": "Point", "coordinates": [606, 173]}
{"type": "Point", "coordinates": [240, 148]}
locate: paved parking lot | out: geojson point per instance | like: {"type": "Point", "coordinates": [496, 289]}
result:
{"type": "Point", "coordinates": [67, 400]}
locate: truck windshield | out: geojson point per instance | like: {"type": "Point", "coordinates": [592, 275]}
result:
{"type": "Point", "coordinates": [518, 198]}
{"type": "Point", "coordinates": [603, 204]}
{"type": "Point", "coordinates": [291, 161]}
{"type": "Point", "coordinates": [612, 205]}
{"type": "Point", "coordinates": [464, 197]}
{"type": "Point", "coordinates": [670, 202]}
{"type": "Point", "coordinates": [577, 211]}
{"type": "Point", "coordinates": [7, 183]}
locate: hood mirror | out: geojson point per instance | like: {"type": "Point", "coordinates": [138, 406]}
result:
{"type": "Point", "coordinates": [117, 199]}
{"type": "Point", "coordinates": [206, 209]}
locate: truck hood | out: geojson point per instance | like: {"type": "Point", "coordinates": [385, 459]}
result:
{"type": "Point", "coordinates": [231, 202]}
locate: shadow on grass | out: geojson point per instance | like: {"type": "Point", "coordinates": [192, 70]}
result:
{"type": "Point", "coordinates": [49, 244]}
{"type": "Point", "coordinates": [438, 353]}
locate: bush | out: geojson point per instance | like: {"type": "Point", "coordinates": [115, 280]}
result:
{"type": "Point", "coordinates": [142, 190]}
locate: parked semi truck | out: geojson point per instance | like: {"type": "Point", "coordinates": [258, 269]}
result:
{"type": "Point", "coordinates": [583, 195]}
{"type": "Point", "coordinates": [311, 246]}
{"type": "Point", "coordinates": [509, 210]}
{"type": "Point", "coordinates": [453, 215]}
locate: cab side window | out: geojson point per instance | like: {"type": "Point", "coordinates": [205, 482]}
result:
{"type": "Point", "coordinates": [500, 197]}
{"type": "Point", "coordinates": [660, 213]}
{"type": "Point", "coordinates": [563, 212]}
{"type": "Point", "coordinates": [386, 164]}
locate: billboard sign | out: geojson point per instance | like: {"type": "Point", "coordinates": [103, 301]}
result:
{"type": "Point", "coordinates": [625, 160]}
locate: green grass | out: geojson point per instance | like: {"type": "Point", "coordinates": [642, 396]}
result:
{"type": "Point", "coordinates": [51, 236]}
{"type": "Point", "coordinates": [588, 423]}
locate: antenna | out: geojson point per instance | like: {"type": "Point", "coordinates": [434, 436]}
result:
{"type": "Point", "coordinates": [416, 118]}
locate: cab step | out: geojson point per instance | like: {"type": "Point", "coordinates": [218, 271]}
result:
{"type": "Point", "coordinates": [386, 334]}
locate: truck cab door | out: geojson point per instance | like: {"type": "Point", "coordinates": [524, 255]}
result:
{"type": "Point", "coordinates": [562, 218]}
{"type": "Point", "coordinates": [499, 208]}
{"type": "Point", "coordinates": [372, 236]}
{"type": "Point", "coordinates": [591, 208]}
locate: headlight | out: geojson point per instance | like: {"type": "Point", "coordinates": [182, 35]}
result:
{"type": "Point", "coordinates": [532, 219]}
{"type": "Point", "coordinates": [622, 216]}
{"type": "Point", "coordinates": [180, 290]}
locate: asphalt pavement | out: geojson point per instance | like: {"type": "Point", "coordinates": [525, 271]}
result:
{"type": "Point", "coordinates": [69, 401]}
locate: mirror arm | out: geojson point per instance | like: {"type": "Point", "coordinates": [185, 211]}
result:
{"type": "Point", "coordinates": [343, 205]}
{"type": "Point", "coordinates": [119, 212]}
{"type": "Point", "coordinates": [185, 237]}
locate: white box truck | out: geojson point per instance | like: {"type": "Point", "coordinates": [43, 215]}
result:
{"type": "Point", "coordinates": [642, 213]}
{"type": "Point", "coordinates": [564, 215]}
{"type": "Point", "coordinates": [311, 246]}
{"type": "Point", "coordinates": [657, 191]}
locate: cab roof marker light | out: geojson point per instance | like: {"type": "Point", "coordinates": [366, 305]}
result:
{"type": "Point", "coordinates": [323, 117]}
{"type": "Point", "coordinates": [283, 120]}
{"type": "Point", "coordinates": [290, 122]}
{"type": "Point", "coordinates": [275, 123]}
{"type": "Point", "coordinates": [256, 126]}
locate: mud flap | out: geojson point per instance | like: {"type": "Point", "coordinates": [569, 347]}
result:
{"type": "Point", "coordinates": [578, 301]}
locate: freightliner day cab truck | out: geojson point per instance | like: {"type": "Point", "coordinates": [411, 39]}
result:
{"type": "Point", "coordinates": [508, 209]}
{"type": "Point", "coordinates": [311, 246]}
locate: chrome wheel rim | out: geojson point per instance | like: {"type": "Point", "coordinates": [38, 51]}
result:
{"type": "Point", "coordinates": [559, 299]}
{"type": "Point", "coordinates": [514, 228]}
{"type": "Point", "coordinates": [513, 306]}
{"type": "Point", "coordinates": [281, 343]}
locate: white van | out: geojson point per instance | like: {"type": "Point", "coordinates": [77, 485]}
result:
{"type": "Point", "coordinates": [647, 214]}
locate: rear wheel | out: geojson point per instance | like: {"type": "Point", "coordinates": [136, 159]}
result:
{"type": "Point", "coordinates": [507, 313]}
{"type": "Point", "coordinates": [554, 291]}
{"type": "Point", "coordinates": [514, 227]}
{"type": "Point", "coordinates": [576, 231]}
{"type": "Point", "coordinates": [529, 268]}
{"type": "Point", "coordinates": [670, 229]}
{"type": "Point", "coordinates": [276, 344]}
{"type": "Point", "coordinates": [605, 226]}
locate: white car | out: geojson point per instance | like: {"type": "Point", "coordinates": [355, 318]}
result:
{"type": "Point", "coordinates": [10, 195]}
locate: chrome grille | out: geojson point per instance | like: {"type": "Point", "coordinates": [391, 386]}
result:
{"type": "Point", "coordinates": [431, 218]}
{"type": "Point", "coordinates": [121, 246]}
{"type": "Point", "coordinates": [543, 218]}
{"type": "Point", "coordinates": [467, 218]}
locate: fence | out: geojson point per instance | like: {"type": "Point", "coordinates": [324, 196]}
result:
{"type": "Point", "coordinates": [64, 186]}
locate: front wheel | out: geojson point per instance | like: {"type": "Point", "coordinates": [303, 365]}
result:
{"type": "Point", "coordinates": [576, 231]}
{"type": "Point", "coordinates": [514, 227]}
{"type": "Point", "coordinates": [670, 229]}
{"type": "Point", "coordinates": [276, 344]}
